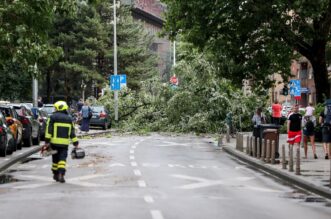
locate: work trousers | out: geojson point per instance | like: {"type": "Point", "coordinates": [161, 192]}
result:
{"type": "Point", "coordinates": [59, 160]}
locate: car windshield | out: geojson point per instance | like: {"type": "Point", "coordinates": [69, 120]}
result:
{"type": "Point", "coordinates": [98, 109]}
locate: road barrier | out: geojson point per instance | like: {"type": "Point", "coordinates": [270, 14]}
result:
{"type": "Point", "coordinates": [273, 152]}
{"type": "Point", "coordinates": [263, 150]}
{"type": "Point", "coordinates": [258, 154]}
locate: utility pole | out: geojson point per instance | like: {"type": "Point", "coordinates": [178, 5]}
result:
{"type": "Point", "coordinates": [35, 86]}
{"type": "Point", "coordinates": [115, 61]}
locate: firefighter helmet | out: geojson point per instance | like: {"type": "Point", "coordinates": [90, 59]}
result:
{"type": "Point", "coordinates": [77, 153]}
{"type": "Point", "coordinates": [61, 105]}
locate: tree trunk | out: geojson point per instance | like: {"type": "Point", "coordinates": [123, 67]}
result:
{"type": "Point", "coordinates": [318, 61]}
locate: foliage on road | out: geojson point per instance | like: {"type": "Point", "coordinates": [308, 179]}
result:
{"type": "Point", "coordinates": [256, 38]}
{"type": "Point", "coordinates": [199, 104]}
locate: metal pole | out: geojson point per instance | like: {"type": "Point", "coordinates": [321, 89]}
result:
{"type": "Point", "coordinates": [297, 164]}
{"type": "Point", "coordinates": [115, 61]}
{"type": "Point", "coordinates": [290, 164]}
{"type": "Point", "coordinates": [35, 87]}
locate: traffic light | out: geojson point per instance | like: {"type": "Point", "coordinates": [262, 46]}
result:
{"type": "Point", "coordinates": [285, 90]}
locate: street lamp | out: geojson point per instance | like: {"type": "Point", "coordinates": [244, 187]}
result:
{"type": "Point", "coordinates": [115, 61]}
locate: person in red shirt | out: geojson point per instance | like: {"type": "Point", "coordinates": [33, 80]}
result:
{"type": "Point", "coordinates": [174, 80]}
{"type": "Point", "coordinates": [276, 112]}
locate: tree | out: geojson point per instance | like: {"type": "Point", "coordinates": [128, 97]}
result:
{"type": "Point", "coordinates": [256, 34]}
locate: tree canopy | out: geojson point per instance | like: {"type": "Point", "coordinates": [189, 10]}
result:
{"type": "Point", "coordinates": [256, 38]}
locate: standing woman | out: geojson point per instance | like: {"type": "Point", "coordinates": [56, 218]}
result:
{"type": "Point", "coordinates": [86, 114]}
{"type": "Point", "coordinates": [276, 112]}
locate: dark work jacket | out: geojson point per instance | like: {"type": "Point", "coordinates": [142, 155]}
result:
{"type": "Point", "coordinates": [60, 130]}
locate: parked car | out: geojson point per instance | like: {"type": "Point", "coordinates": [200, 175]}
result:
{"type": "Point", "coordinates": [100, 117]}
{"type": "Point", "coordinates": [15, 125]}
{"type": "Point", "coordinates": [31, 126]}
{"type": "Point", "coordinates": [48, 108]}
{"type": "Point", "coordinates": [7, 141]}
{"type": "Point", "coordinates": [42, 117]}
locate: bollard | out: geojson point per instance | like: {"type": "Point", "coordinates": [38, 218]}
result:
{"type": "Point", "coordinates": [283, 157]}
{"type": "Point", "coordinates": [267, 160]}
{"type": "Point", "coordinates": [241, 145]}
{"type": "Point", "coordinates": [220, 140]}
{"type": "Point", "coordinates": [290, 155]}
{"type": "Point", "coordinates": [263, 150]}
{"type": "Point", "coordinates": [297, 164]}
{"type": "Point", "coordinates": [258, 154]}
{"type": "Point", "coordinates": [247, 144]}
{"type": "Point", "coordinates": [250, 146]}
{"type": "Point", "coordinates": [273, 152]}
{"type": "Point", "coordinates": [254, 147]}
{"type": "Point", "coordinates": [237, 142]}
{"type": "Point", "coordinates": [227, 134]}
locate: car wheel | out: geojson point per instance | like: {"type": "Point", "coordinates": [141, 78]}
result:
{"type": "Point", "coordinates": [28, 141]}
{"type": "Point", "coordinates": [36, 141]}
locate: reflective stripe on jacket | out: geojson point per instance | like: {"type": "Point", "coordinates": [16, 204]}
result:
{"type": "Point", "coordinates": [60, 130]}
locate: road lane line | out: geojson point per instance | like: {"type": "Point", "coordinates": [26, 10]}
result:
{"type": "Point", "coordinates": [148, 199]}
{"type": "Point", "coordinates": [134, 164]}
{"type": "Point", "coordinates": [137, 172]}
{"type": "Point", "coordinates": [131, 151]}
{"type": "Point", "coordinates": [131, 157]}
{"type": "Point", "coordinates": [141, 183]}
{"type": "Point", "coordinates": [134, 147]}
{"type": "Point", "coordinates": [156, 214]}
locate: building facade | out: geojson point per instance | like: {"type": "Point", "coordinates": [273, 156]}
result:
{"type": "Point", "coordinates": [149, 12]}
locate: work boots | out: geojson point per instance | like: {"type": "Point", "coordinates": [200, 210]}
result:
{"type": "Point", "coordinates": [56, 177]}
{"type": "Point", "coordinates": [61, 178]}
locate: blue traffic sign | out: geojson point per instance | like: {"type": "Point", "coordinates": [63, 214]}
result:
{"type": "Point", "coordinates": [115, 82]}
{"type": "Point", "coordinates": [122, 81]}
{"type": "Point", "coordinates": [295, 88]}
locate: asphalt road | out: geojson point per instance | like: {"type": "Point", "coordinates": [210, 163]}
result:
{"type": "Point", "coordinates": [152, 177]}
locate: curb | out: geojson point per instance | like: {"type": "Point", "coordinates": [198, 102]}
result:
{"type": "Point", "coordinates": [280, 174]}
{"type": "Point", "coordinates": [13, 160]}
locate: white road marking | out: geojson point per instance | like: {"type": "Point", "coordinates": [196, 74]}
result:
{"type": "Point", "coordinates": [149, 199]}
{"type": "Point", "coordinates": [141, 183]}
{"type": "Point", "coordinates": [134, 147]}
{"type": "Point", "coordinates": [117, 165]}
{"type": "Point", "coordinates": [176, 165]}
{"type": "Point", "coordinates": [6, 159]}
{"type": "Point", "coordinates": [151, 165]}
{"type": "Point", "coordinates": [131, 151]}
{"type": "Point", "coordinates": [45, 166]}
{"type": "Point", "coordinates": [134, 164]}
{"type": "Point", "coordinates": [131, 157]}
{"type": "Point", "coordinates": [201, 182]}
{"type": "Point", "coordinates": [260, 189]}
{"type": "Point", "coordinates": [137, 172]}
{"type": "Point", "coordinates": [156, 214]}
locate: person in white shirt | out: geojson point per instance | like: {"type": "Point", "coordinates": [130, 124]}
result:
{"type": "Point", "coordinates": [310, 110]}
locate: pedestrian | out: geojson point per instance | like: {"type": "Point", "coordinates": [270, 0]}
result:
{"type": "Point", "coordinates": [229, 124]}
{"type": "Point", "coordinates": [258, 117]}
{"type": "Point", "coordinates": [310, 110]}
{"type": "Point", "coordinates": [40, 102]}
{"type": "Point", "coordinates": [59, 131]}
{"type": "Point", "coordinates": [309, 123]}
{"type": "Point", "coordinates": [86, 114]}
{"type": "Point", "coordinates": [294, 127]}
{"type": "Point", "coordinates": [80, 104]}
{"type": "Point", "coordinates": [276, 112]}
{"type": "Point", "coordinates": [325, 121]}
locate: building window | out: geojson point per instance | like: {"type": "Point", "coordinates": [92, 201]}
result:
{"type": "Point", "coordinates": [304, 70]}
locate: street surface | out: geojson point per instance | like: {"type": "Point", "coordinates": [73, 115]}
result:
{"type": "Point", "coordinates": [152, 177]}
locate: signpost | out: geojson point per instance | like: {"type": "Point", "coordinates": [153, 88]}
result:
{"type": "Point", "coordinates": [295, 89]}
{"type": "Point", "coordinates": [115, 82]}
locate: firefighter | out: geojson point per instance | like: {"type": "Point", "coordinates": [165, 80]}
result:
{"type": "Point", "coordinates": [59, 131]}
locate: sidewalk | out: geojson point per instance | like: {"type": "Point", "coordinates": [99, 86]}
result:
{"type": "Point", "coordinates": [315, 173]}
{"type": "Point", "coordinates": [17, 156]}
